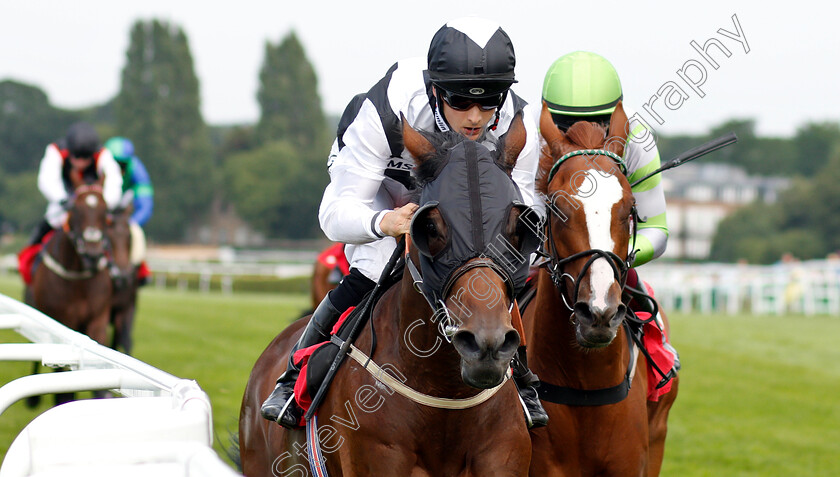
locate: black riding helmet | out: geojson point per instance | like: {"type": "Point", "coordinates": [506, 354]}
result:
{"type": "Point", "coordinates": [82, 140]}
{"type": "Point", "coordinates": [473, 58]}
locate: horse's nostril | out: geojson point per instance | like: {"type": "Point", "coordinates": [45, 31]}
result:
{"type": "Point", "coordinates": [509, 344]}
{"type": "Point", "coordinates": [466, 344]}
{"type": "Point", "coordinates": [583, 311]}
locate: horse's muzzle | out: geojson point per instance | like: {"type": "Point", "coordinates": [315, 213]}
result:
{"type": "Point", "coordinates": [485, 357]}
{"type": "Point", "coordinates": [596, 328]}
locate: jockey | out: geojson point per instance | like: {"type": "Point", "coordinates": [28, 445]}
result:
{"type": "Point", "coordinates": [79, 152]}
{"type": "Point", "coordinates": [585, 86]}
{"type": "Point", "coordinates": [463, 86]}
{"type": "Point", "coordinates": [136, 181]}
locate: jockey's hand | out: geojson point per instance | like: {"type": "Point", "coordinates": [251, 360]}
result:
{"type": "Point", "coordinates": [397, 222]}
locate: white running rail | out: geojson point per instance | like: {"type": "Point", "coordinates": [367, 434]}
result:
{"type": "Point", "coordinates": [164, 427]}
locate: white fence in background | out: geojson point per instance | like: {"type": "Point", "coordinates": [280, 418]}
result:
{"type": "Point", "coordinates": [163, 427]}
{"type": "Point", "coordinates": [810, 288]}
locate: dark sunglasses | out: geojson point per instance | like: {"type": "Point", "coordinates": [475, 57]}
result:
{"type": "Point", "coordinates": [464, 103]}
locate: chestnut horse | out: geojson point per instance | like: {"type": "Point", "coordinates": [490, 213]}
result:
{"type": "Point", "coordinates": [71, 284]}
{"type": "Point", "coordinates": [573, 324]}
{"type": "Point", "coordinates": [373, 428]}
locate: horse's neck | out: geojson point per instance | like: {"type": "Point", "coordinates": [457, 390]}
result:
{"type": "Point", "coordinates": [61, 248]}
{"type": "Point", "coordinates": [555, 355]}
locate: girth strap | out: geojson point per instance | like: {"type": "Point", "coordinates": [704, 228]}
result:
{"type": "Point", "coordinates": [595, 397]}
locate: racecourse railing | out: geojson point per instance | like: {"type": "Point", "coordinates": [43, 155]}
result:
{"type": "Point", "coordinates": [796, 287]}
{"type": "Point", "coordinates": [162, 426]}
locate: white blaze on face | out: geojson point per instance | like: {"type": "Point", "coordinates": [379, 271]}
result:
{"type": "Point", "coordinates": [91, 201]}
{"type": "Point", "coordinates": [599, 193]}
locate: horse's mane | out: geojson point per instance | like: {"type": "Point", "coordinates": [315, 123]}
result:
{"type": "Point", "coordinates": [581, 135]}
{"type": "Point", "coordinates": [430, 164]}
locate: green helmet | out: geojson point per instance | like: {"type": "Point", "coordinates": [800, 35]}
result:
{"type": "Point", "coordinates": [581, 84]}
{"type": "Point", "coordinates": [121, 148]}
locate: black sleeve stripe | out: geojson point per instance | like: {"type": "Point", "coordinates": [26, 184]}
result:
{"type": "Point", "coordinates": [373, 226]}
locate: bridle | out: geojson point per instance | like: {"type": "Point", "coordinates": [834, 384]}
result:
{"type": "Point", "coordinates": [90, 264]}
{"type": "Point", "coordinates": [448, 325]}
{"type": "Point", "coordinates": [555, 264]}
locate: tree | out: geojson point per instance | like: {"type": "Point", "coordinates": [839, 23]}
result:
{"type": "Point", "coordinates": [804, 222]}
{"type": "Point", "coordinates": [158, 108]}
{"type": "Point", "coordinates": [274, 191]}
{"type": "Point", "coordinates": [290, 108]}
{"type": "Point", "coordinates": [23, 205]}
{"type": "Point", "coordinates": [813, 144]}
{"type": "Point", "coordinates": [277, 186]}
{"type": "Point", "coordinates": [28, 122]}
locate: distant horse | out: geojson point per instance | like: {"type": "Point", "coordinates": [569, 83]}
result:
{"type": "Point", "coordinates": [373, 431]}
{"type": "Point", "coordinates": [124, 275]}
{"type": "Point", "coordinates": [573, 326]}
{"type": "Point", "coordinates": [72, 284]}
{"type": "Point", "coordinates": [330, 266]}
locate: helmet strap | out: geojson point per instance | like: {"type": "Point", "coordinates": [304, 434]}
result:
{"type": "Point", "coordinates": [440, 120]}
{"type": "Point", "coordinates": [495, 124]}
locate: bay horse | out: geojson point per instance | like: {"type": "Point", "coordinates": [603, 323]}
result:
{"type": "Point", "coordinates": [373, 430]}
{"type": "Point", "coordinates": [123, 274]}
{"type": "Point", "coordinates": [72, 284]}
{"type": "Point", "coordinates": [573, 323]}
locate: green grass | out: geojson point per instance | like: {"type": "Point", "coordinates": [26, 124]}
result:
{"type": "Point", "coordinates": [211, 338]}
{"type": "Point", "coordinates": [758, 397]}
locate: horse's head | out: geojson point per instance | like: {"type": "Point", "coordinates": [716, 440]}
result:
{"type": "Point", "coordinates": [591, 211]}
{"type": "Point", "coordinates": [119, 237]}
{"type": "Point", "coordinates": [86, 222]}
{"type": "Point", "coordinates": [473, 246]}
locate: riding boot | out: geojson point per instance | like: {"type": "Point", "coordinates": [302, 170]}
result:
{"type": "Point", "coordinates": [636, 295]}
{"type": "Point", "coordinates": [280, 405]}
{"type": "Point", "coordinates": [526, 383]}
{"type": "Point", "coordinates": [39, 232]}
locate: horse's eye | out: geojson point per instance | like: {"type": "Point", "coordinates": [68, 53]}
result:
{"type": "Point", "coordinates": [431, 229]}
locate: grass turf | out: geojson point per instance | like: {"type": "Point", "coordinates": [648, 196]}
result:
{"type": "Point", "coordinates": [758, 396]}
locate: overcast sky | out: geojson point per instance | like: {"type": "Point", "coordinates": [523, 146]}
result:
{"type": "Point", "coordinates": [75, 50]}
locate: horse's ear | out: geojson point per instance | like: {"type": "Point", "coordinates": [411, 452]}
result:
{"type": "Point", "coordinates": [550, 132]}
{"type": "Point", "coordinates": [617, 135]}
{"type": "Point", "coordinates": [417, 144]}
{"type": "Point", "coordinates": [515, 139]}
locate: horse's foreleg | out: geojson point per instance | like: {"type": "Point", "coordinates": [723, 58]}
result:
{"type": "Point", "coordinates": [128, 324]}
{"type": "Point", "coordinates": [658, 427]}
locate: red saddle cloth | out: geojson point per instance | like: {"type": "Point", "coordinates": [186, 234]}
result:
{"type": "Point", "coordinates": [303, 393]}
{"type": "Point", "coordinates": [26, 258]}
{"type": "Point", "coordinates": [659, 347]}
{"type": "Point", "coordinates": [334, 257]}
